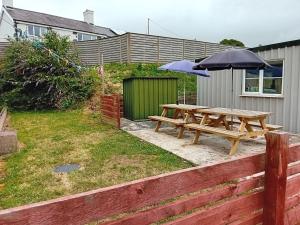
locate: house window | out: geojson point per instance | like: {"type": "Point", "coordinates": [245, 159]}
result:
{"type": "Point", "coordinates": [85, 37]}
{"type": "Point", "coordinates": [36, 31]}
{"type": "Point", "coordinates": [264, 82]}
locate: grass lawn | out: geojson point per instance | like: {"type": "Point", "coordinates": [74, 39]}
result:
{"type": "Point", "coordinates": [107, 156]}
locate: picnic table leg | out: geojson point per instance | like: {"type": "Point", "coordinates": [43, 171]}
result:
{"type": "Point", "coordinates": [164, 112]}
{"type": "Point", "coordinates": [157, 126]}
{"type": "Point", "coordinates": [234, 147]}
{"type": "Point", "coordinates": [196, 138]}
{"type": "Point", "coordinates": [263, 124]}
{"type": "Point", "coordinates": [226, 123]}
{"type": "Point", "coordinates": [187, 117]}
{"type": "Point", "coordinates": [242, 125]}
{"type": "Point", "coordinates": [180, 134]}
{"type": "Point", "coordinates": [176, 113]}
{"type": "Point", "coordinates": [204, 119]}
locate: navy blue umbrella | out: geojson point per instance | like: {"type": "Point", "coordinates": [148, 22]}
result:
{"type": "Point", "coordinates": [232, 59]}
{"type": "Point", "coordinates": [184, 66]}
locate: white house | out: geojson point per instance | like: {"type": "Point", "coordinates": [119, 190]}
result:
{"type": "Point", "coordinates": [19, 22]}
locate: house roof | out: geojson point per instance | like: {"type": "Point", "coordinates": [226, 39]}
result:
{"type": "Point", "coordinates": [23, 15]}
{"type": "Point", "coordinates": [276, 45]}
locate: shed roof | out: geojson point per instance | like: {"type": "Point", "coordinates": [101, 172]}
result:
{"type": "Point", "coordinates": [28, 16]}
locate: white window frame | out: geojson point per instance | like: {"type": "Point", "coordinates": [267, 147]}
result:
{"type": "Point", "coordinates": [261, 82]}
{"type": "Point", "coordinates": [91, 36]}
{"type": "Point", "coordinates": [34, 27]}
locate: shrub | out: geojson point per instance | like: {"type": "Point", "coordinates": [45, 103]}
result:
{"type": "Point", "coordinates": [43, 75]}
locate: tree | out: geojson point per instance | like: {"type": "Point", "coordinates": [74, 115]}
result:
{"type": "Point", "coordinates": [43, 74]}
{"type": "Point", "coordinates": [232, 42]}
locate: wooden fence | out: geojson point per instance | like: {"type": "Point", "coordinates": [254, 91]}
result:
{"type": "Point", "coordinates": [111, 109]}
{"type": "Point", "coordinates": [262, 188]}
{"type": "Point", "coordinates": [141, 48]}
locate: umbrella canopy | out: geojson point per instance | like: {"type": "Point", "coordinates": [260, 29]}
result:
{"type": "Point", "coordinates": [232, 59]}
{"type": "Point", "coordinates": [184, 66]}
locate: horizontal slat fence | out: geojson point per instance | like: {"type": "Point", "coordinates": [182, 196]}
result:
{"type": "Point", "coordinates": [141, 48]}
{"type": "Point", "coordinates": [232, 192]}
{"type": "Point", "coordinates": [111, 109]}
{"type": "Point", "coordinates": [3, 46]}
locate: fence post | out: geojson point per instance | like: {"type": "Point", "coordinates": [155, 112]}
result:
{"type": "Point", "coordinates": [275, 178]}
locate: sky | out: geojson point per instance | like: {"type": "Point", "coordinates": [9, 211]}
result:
{"type": "Point", "coordinates": [254, 22]}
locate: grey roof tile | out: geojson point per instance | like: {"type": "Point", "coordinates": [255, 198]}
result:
{"type": "Point", "coordinates": [56, 21]}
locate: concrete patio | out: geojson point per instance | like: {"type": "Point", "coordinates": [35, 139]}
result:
{"type": "Point", "coordinates": [210, 148]}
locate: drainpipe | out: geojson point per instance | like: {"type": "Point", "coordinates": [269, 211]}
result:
{"type": "Point", "coordinates": [16, 30]}
{"type": "Point", "coordinates": [1, 18]}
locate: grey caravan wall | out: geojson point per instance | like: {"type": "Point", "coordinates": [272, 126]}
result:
{"type": "Point", "coordinates": [216, 90]}
{"type": "Point", "coordinates": [141, 48]}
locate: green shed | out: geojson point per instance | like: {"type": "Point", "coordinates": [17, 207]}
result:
{"type": "Point", "coordinates": [143, 95]}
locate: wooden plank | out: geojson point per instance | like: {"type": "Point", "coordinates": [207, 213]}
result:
{"type": "Point", "coordinates": [187, 204]}
{"type": "Point", "coordinates": [294, 153]}
{"type": "Point", "coordinates": [100, 203]}
{"type": "Point", "coordinates": [292, 201]}
{"type": "Point", "coordinates": [292, 216]}
{"type": "Point", "coordinates": [275, 178]}
{"type": "Point", "coordinates": [253, 219]}
{"type": "Point", "coordinates": [215, 130]}
{"type": "Point", "coordinates": [224, 213]}
{"type": "Point", "coordinates": [293, 169]}
{"type": "Point", "coordinates": [293, 186]}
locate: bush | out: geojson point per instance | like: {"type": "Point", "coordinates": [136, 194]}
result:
{"type": "Point", "coordinates": [43, 75]}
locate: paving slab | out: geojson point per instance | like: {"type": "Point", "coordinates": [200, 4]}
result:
{"type": "Point", "coordinates": [210, 149]}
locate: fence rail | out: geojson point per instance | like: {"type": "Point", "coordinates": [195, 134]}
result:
{"type": "Point", "coordinates": [234, 192]}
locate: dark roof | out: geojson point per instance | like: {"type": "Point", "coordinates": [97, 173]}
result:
{"type": "Point", "coordinates": [56, 21]}
{"type": "Point", "coordinates": [277, 45]}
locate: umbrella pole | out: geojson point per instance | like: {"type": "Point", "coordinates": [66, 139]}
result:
{"type": "Point", "coordinates": [231, 102]}
{"type": "Point", "coordinates": [184, 90]}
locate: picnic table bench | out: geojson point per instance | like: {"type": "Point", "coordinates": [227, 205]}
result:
{"type": "Point", "coordinates": [183, 114]}
{"type": "Point", "coordinates": [214, 118]}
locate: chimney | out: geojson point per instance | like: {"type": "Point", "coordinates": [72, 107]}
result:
{"type": "Point", "coordinates": [88, 16]}
{"type": "Point", "coordinates": [8, 3]}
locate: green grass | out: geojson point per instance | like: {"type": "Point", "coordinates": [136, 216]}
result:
{"type": "Point", "coordinates": [116, 72]}
{"type": "Point", "coordinates": [107, 156]}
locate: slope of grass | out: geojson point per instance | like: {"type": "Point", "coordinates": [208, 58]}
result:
{"type": "Point", "coordinates": [116, 72]}
{"type": "Point", "coordinates": [107, 156]}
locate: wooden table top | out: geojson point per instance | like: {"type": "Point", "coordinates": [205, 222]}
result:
{"type": "Point", "coordinates": [184, 106]}
{"type": "Point", "coordinates": [235, 112]}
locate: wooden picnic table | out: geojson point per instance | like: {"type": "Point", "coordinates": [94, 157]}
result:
{"type": "Point", "coordinates": [183, 114]}
{"type": "Point", "coordinates": [210, 123]}
{"type": "Point", "coordinates": [244, 116]}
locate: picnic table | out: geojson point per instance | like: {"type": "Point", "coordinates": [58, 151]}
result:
{"type": "Point", "coordinates": [213, 118]}
{"type": "Point", "coordinates": [183, 114]}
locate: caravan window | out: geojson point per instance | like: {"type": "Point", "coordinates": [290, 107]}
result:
{"type": "Point", "coordinates": [264, 82]}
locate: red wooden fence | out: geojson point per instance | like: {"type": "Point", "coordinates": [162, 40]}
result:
{"type": "Point", "coordinates": [112, 109]}
{"type": "Point", "coordinates": [262, 188]}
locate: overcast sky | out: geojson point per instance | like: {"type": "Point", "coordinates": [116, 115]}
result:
{"type": "Point", "coordinates": [253, 22]}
